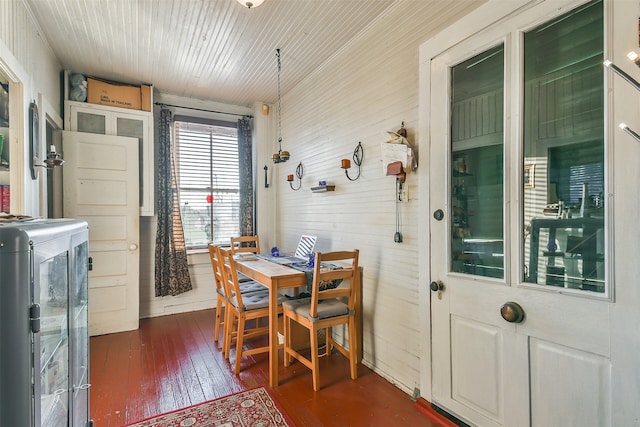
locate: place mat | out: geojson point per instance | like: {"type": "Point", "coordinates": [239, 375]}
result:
{"type": "Point", "coordinates": [282, 259]}
{"type": "Point", "coordinates": [308, 271]}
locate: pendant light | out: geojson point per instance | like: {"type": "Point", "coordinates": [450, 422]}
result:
{"type": "Point", "coordinates": [280, 156]}
{"type": "Point", "coordinates": [249, 4]}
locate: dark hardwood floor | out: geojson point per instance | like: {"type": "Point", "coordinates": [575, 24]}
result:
{"type": "Point", "coordinates": [171, 362]}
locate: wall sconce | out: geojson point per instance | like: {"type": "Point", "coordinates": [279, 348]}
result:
{"type": "Point", "coordinates": [53, 159]}
{"type": "Point", "coordinates": [358, 154]}
{"type": "Point", "coordinates": [299, 172]}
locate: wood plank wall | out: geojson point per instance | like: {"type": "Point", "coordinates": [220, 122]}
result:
{"type": "Point", "coordinates": [31, 54]}
{"type": "Point", "coordinates": [367, 88]}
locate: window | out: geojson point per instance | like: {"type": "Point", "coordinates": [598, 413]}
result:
{"type": "Point", "coordinates": [564, 146]}
{"type": "Point", "coordinates": [477, 170]}
{"type": "Point", "coordinates": [208, 180]}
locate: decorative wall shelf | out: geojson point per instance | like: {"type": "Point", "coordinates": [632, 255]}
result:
{"type": "Point", "coordinates": [323, 188]}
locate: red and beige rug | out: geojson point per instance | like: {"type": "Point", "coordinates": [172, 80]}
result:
{"type": "Point", "coordinates": [255, 408]}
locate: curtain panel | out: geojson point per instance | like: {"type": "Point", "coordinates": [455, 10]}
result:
{"type": "Point", "coordinates": [171, 270]}
{"type": "Point", "coordinates": [247, 196]}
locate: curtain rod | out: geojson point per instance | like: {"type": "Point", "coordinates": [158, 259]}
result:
{"type": "Point", "coordinates": [202, 109]}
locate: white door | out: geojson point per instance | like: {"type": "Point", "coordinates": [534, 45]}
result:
{"type": "Point", "coordinates": [101, 186]}
{"type": "Point", "coordinates": [520, 302]}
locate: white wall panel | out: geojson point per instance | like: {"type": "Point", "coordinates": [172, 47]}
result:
{"type": "Point", "coordinates": [28, 59]}
{"type": "Point", "coordinates": [23, 38]}
{"type": "Point", "coordinates": [369, 87]}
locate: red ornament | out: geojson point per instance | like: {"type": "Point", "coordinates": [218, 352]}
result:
{"type": "Point", "coordinates": [209, 198]}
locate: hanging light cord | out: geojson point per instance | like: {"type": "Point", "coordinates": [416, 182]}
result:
{"type": "Point", "coordinates": [398, 235]}
{"type": "Point", "coordinates": [279, 106]}
{"type": "Point", "coordinates": [358, 155]}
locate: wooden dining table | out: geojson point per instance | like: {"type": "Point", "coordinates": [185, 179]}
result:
{"type": "Point", "coordinates": [276, 277]}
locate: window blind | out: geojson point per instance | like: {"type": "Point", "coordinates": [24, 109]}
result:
{"type": "Point", "coordinates": [208, 182]}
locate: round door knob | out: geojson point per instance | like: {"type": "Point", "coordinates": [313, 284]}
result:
{"type": "Point", "coordinates": [512, 312]}
{"type": "Point", "coordinates": [438, 215]}
{"type": "Point", "coordinates": [436, 286]}
{"type": "Point", "coordinates": [133, 247]}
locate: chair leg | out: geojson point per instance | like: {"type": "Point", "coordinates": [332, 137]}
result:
{"type": "Point", "coordinates": [315, 365]}
{"type": "Point", "coordinates": [328, 341]}
{"type": "Point", "coordinates": [218, 320]}
{"type": "Point", "coordinates": [239, 339]}
{"type": "Point", "coordinates": [353, 350]}
{"type": "Point", "coordinates": [287, 339]}
{"type": "Point", "coordinates": [229, 322]}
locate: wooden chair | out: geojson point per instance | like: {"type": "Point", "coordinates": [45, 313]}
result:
{"type": "Point", "coordinates": [328, 307]}
{"type": "Point", "coordinates": [245, 244]}
{"type": "Point", "coordinates": [222, 298]}
{"type": "Point", "coordinates": [240, 309]}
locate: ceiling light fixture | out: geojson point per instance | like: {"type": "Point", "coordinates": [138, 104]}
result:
{"type": "Point", "coordinates": [280, 156]}
{"type": "Point", "coordinates": [250, 4]}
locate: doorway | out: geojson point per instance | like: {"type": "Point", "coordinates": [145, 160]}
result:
{"type": "Point", "coordinates": [520, 298]}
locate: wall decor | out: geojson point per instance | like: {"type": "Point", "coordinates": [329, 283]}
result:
{"type": "Point", "coordinates": [34, 139]}
{"type": "Point", "coordinates": [529, 176]}
{"type": "Point", "coordinates": [358, 155]}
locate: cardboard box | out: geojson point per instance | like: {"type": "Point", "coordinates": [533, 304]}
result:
{"type": "Point", "coordinates": [120, 95]}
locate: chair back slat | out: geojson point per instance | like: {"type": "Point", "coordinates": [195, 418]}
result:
{"type": "Point", "coordinates": [348, 275]}
{"type": "Point", "coordinates": [230, 276]}
{"type": "Point", "coordinates": [215, 265]}
{"type": "Point", "coordinates": [245, 244]}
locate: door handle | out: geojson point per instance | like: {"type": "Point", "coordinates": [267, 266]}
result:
{"type": "Point", "coordinates": [512, 312]}
{"type": "Point", "coordinates": [436, 286]}
{"type": "Point", "coordinates": [133, 247]}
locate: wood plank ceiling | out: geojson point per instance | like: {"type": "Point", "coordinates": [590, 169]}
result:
{"type": "Point", "coordinates": [207, 49]}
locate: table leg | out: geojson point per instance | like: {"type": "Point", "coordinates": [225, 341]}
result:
{"type": "Point", "coordinates": [273, 335]}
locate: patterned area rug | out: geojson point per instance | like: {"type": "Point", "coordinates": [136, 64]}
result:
{"type": "Point", "coordinates": [255, 408]}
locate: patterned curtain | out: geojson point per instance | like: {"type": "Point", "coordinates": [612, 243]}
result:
{"type": "Point", "coordinates": [172, 272]}
{"type": "Point", "coordinates": [247, 196]}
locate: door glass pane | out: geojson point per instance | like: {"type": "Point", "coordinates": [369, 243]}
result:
{"type": "Point", "coordinates": [477, 177]}
{"type": "Point", "coordinates": [134, 128]}
{"type": "Point", "coordinates": [563, 183]}
{"type": "Point", "coordinates": [92, 123]}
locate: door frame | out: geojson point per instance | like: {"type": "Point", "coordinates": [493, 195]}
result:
{"type": "Point", "coordinates": [440, 44]}
{"type": "Point", "coordinates": [622, 105]}
{"type": "Point", "coordinates": [473, 23]}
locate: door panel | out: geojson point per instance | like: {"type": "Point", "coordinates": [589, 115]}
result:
{"type": "Point", "coordinates": [476, 353]}
{"type": "Point", "coordinates": [553, 366]}
{"type": "Point", "coordinates": [559, 376]}
{"type": "Point", "coordinates": [102, 188]}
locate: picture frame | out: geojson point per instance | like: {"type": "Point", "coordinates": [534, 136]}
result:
{"type": "Point", "coordinates": [528, 177]}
